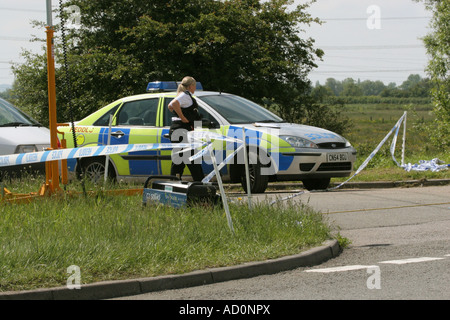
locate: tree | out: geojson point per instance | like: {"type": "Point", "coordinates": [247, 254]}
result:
{"type": "Point", "coordinates": [372, 88]}
{"type": "Point", "coordinates": [334, 85]}
{"type": "Point", "coordinates": [350, 88]}
{"type": "Point", "coordinates": [438, 48]}
{"type": "Point", "coordinates": [413, 80]}
{"type": "Point", "coordinates": [247, 47]}
{"type": "Point", "coordinates": [319, 92]}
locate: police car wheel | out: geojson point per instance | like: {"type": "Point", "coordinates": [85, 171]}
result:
{"type": "Point", "coordinates": [94, 170]}
{"type": "Point", "coordinates": [258, 182]}
{"type": "Point", "coordinates": [316, 184]}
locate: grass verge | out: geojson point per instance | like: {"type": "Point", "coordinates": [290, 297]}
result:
{"type": "Point", "coordinates": [112, 238]}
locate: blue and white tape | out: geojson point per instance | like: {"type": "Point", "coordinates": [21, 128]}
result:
{"type": "Point", "coordinates": [82, 152]}
{"type": "Point", "coordinates": [222, 164]}
{"type": "Point", "coordinates": [432, 165]}
{"type": "Point", "coordinates": [201, 153]}
{"type": "Point", "coordinates": [374, 152]}
{"type": "Point", "coordinates": [195, 138]}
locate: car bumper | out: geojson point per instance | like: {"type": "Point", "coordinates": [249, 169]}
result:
{"type": "Point", "coordinates": [316, 163]}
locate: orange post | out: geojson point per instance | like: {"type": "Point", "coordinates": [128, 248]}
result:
{"type": "Point", "coordinates": [54, 165]}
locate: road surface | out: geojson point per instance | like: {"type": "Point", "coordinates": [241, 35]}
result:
{"type": "Point", "coordinates": [400, 249]}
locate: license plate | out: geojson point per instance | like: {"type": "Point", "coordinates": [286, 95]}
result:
{"type": "Point", "coordinates": [337, 157]}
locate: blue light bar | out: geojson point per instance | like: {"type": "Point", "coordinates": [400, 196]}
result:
{"type": "Point", "coordinates": [159, 86]}
{"type": "Point", "coordinates": [162, 86]}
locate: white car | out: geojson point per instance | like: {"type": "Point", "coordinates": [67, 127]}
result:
{"type": "Point", "coordinates": [19, 133]}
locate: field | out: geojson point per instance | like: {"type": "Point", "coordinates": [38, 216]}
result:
{"type": "Point", "coordinates": [372, 122]}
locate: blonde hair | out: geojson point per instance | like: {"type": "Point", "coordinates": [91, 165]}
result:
{"type": "Point", "coordinates": [185, 84]}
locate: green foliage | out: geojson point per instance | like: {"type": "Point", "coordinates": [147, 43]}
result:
{"type": "Point", "coordinates": [413, 87]}
{"type": "Point", "coordinates": [247, 47]}
{"type": "Point", "coordinates": [350, 88]}
{"type": "Point", "coordinates": [343, 242]}
{"type": "Point", "coordinates": [376, 100]}
{"type": "Point", "coordinates": [438, 48]}
{"type": "Point", "coordinates": [30, 88]}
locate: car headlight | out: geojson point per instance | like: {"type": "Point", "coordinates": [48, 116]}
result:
{"type": "Point", "coordinates": [298, 142]}
{"type": "Point", "coordinates": [26, 148]}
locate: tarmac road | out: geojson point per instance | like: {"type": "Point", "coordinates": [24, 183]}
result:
{"type": "Point", "coordinates": [400, 249]}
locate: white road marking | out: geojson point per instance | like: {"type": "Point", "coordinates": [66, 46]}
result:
{"type": "Point", "coordinates": [359, 267]}
{"type": "Point", "coordinates": [339, 269]}
{"type": "Point", "coordinates": [412, 260]}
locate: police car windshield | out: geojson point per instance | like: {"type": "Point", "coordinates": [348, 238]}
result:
{"type": "Point", "coordinates": [237, 110]}
{"type": "Point", "coordinates": [10, 116]}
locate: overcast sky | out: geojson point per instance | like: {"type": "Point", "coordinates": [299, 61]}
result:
{"type": "Point", "coordinates": [362, 39]}
{"type": "Point", "coordinates": [370, 39]}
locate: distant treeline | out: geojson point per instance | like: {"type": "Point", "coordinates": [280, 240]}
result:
{"type": "Point", "coordinates": [413, 90]}
{"type": "Point", "coordinates": [375, 100]}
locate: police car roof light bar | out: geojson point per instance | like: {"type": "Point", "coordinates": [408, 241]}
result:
{"type": "Point", "coordinates": [157, 86]}
{"type": "Point", "coordinates": [164, 86]}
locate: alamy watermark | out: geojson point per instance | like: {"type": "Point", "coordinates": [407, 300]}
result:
{"type": "Point", "coordinates": [74, 279]}
{"type": "Point", "coordinates": [374, 280]}
{"type": "Point", "coordinates": [373, 22]}
{"type": "Point", "coordinates": [74, 19]}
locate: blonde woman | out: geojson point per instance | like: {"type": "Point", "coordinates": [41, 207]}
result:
{"type": "Point", "coordinates": [185, 111]}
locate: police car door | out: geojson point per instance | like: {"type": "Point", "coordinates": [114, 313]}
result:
{"type": "Point", "coordinates": [136, 123]}
{"type": "Point", "coordinates": [166, 120]}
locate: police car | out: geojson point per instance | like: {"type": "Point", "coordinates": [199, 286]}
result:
{"type": "Point", "coordinates": [277, 150]}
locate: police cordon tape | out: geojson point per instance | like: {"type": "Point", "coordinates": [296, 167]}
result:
{"type": "Point", "coordinates": [222, 164]}
{"type": "Point", "coordinates": [433, 165]}
{"type": "Point", "coordinates": [83, 152]}
{"type": "Point", "coordinates": [375, 151]}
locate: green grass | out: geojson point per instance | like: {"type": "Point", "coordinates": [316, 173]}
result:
{"type": "Point", "coordinates": [115, 237]}
{"type": "Point", "coordinates": [372, 122]}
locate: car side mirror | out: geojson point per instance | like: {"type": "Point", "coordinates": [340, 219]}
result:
{"type": "Point", "coordinates": [209, 124]}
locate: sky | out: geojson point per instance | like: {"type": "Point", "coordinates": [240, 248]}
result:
{"type": "Point", "coordinates": [362, 39]}
{"type": "Point", "coordinates": [370, 39]}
